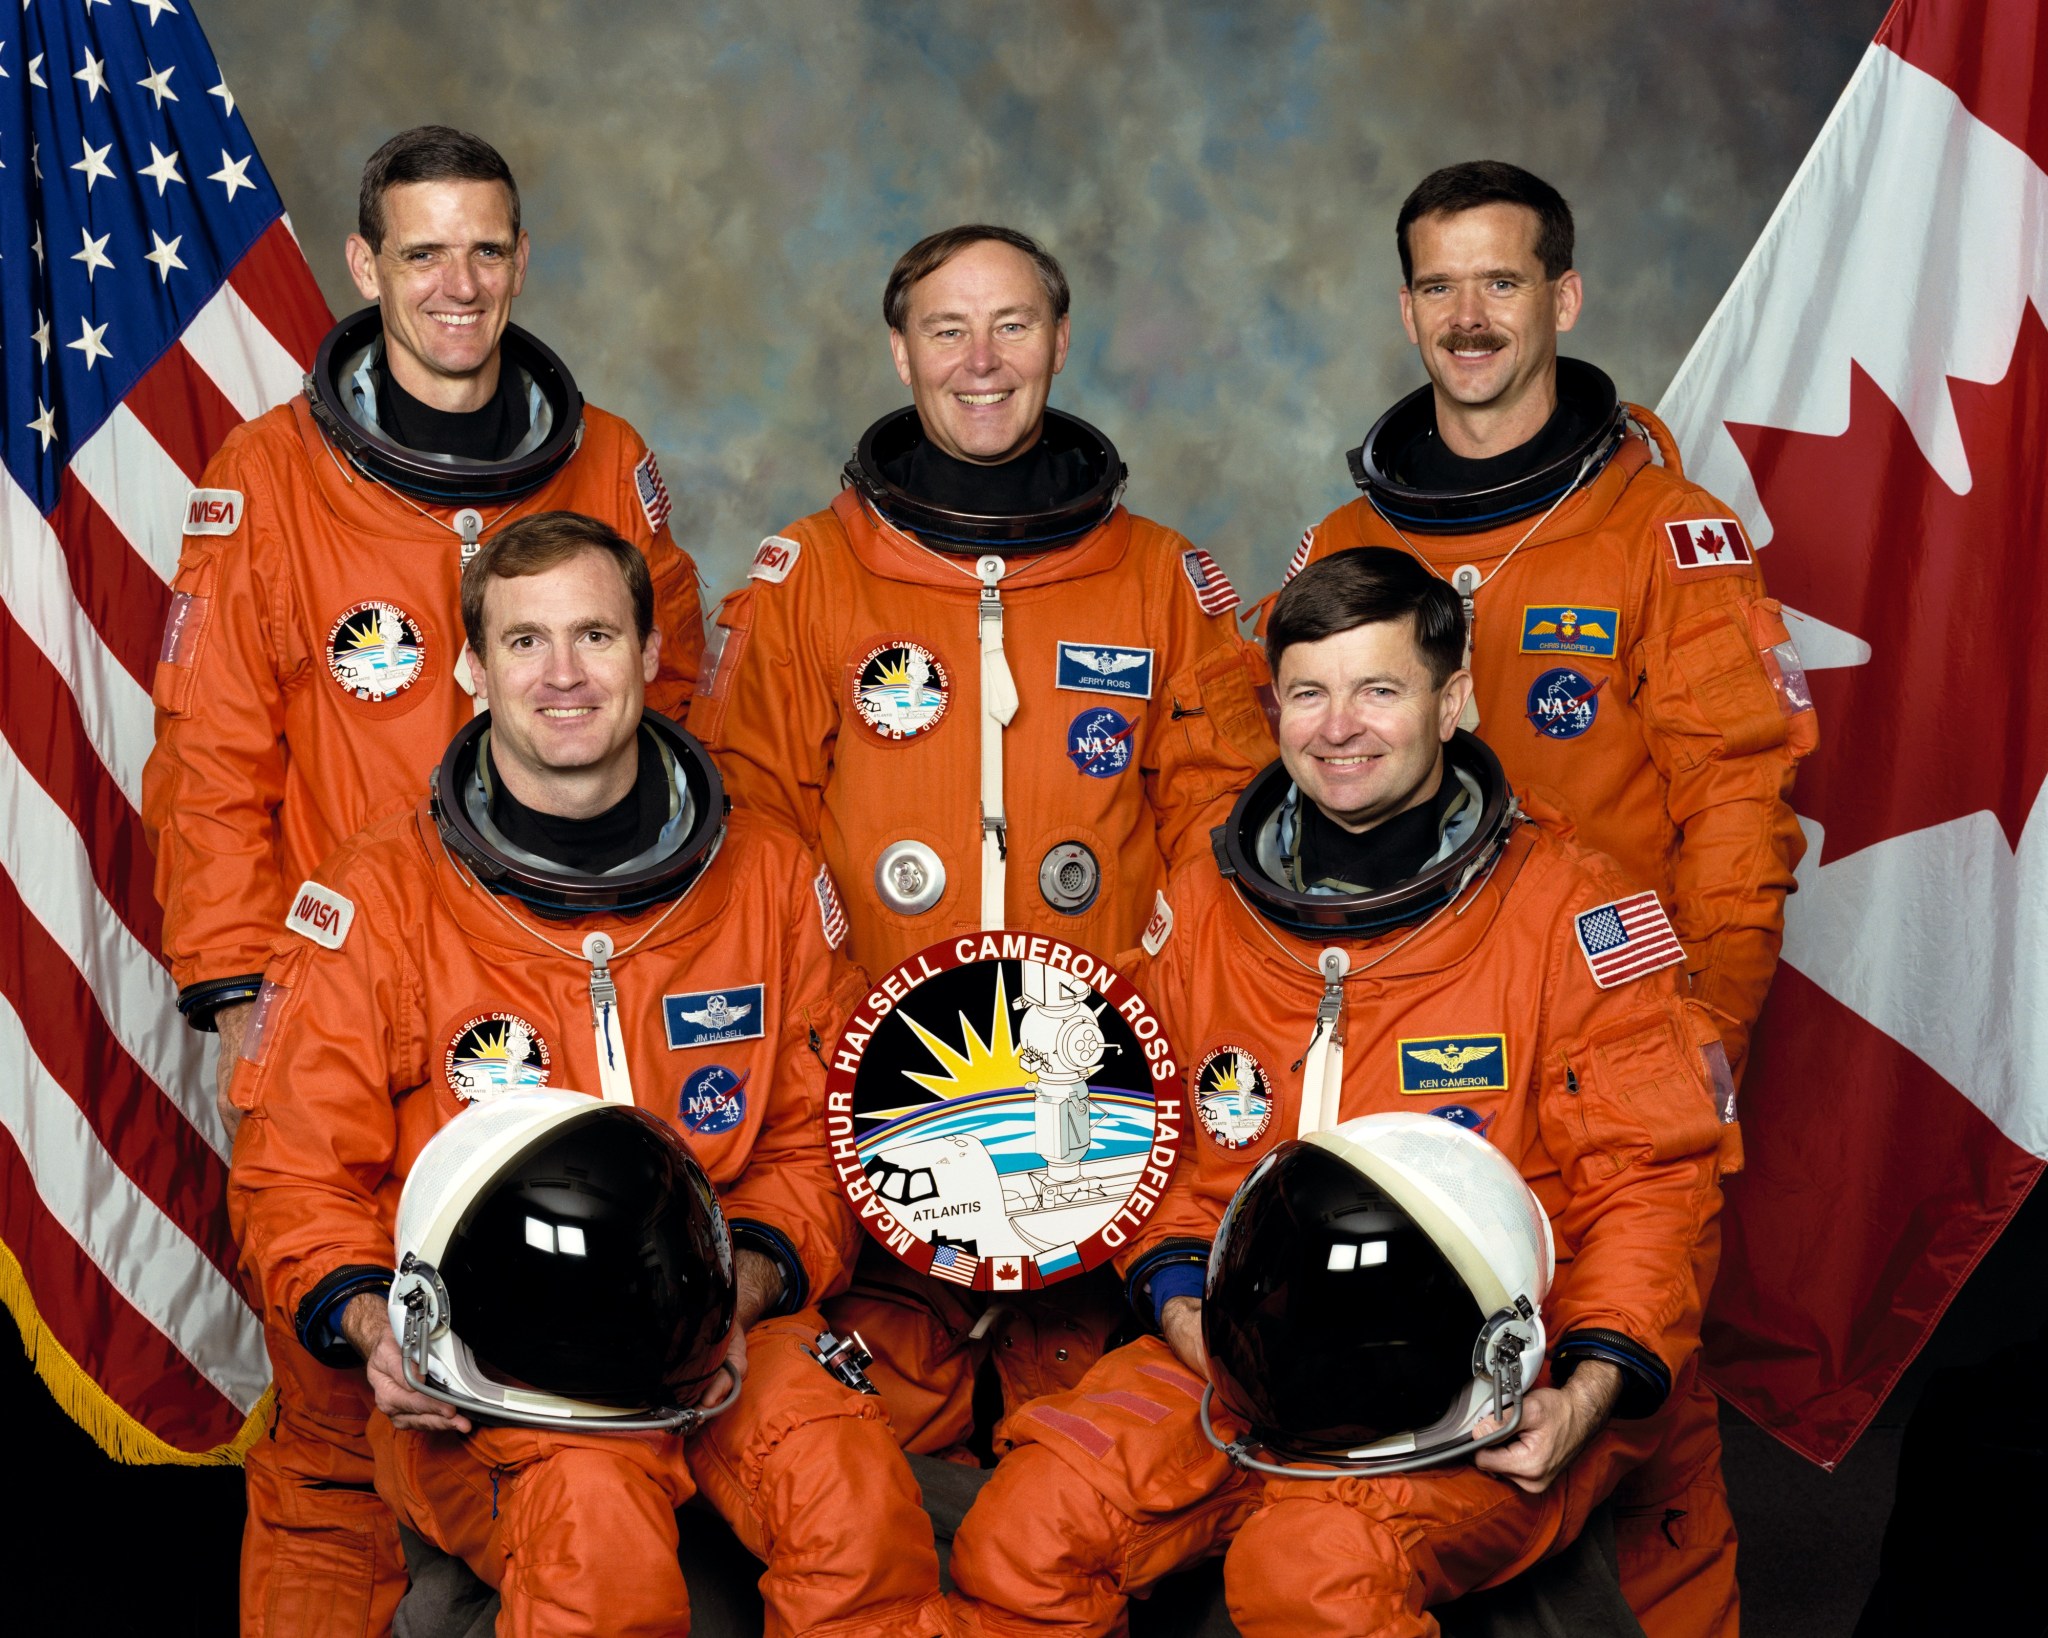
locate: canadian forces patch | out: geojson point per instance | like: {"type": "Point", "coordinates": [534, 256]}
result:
{"type": "Point", "coordinates": [495, 1052]}
{"type": "Point", "coordinates": [901, 689]}
{"type": "Point", "coordinates": [376, 650]}
{"type": "Point", "coordinates": [1233, 1097]}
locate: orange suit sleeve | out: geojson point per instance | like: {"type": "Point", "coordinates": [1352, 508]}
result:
{"type": "Point", "coordinates": [678, 608]}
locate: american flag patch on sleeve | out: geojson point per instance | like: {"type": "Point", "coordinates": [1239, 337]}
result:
{"type": "Point", "coordinates": [831, 913]}
{"type": "Point", "coordinates": [1299, 560]}
{"type": "Point", "coordinates": [1213, 589]}
{"type": "Point", "coordinates": [653, 492]}
{"type": "Point", "coordinates": [1627, 939]}
{"type": "Point", "coordinates": [951, 1263]}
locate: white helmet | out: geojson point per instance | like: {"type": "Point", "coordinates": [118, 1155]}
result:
{"type": "Point", "coordinates": [1374, 1291]}
{"type": "Point", "coordinates": [562, 1260]}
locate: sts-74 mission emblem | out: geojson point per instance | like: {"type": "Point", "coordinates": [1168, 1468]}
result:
{"type": "Point", "coordinates": [1004, 1111]}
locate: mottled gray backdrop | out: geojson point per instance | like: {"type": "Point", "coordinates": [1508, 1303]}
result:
{"type": "Point", "coordinates": [716, 192]}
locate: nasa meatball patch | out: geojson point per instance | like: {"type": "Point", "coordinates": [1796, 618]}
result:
{"type": "Point", "coordinates": [321, 914]}
{"type": "Point", "coordinates": [213, 511]}
{"type": "Point", "coordinates": [1099, 742]}
{"type": "Point", "coordinates": [1563, 703]}
{"type": "Point", "coordinates": [713, 1099]}
{"type": "Point", "coordinates": [1003, 1111]}
{"type": "Point", "coordinates": [1233, 1097]}
{"type": "Point", "coordinates": [713, 1017]}
{"type": "Point", "coordinates": [493, 1052]}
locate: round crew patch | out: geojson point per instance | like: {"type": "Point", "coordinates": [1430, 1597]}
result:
{"type": "Point", "coordinates": [901, 689]}
{"type": "Point", "coordinates": [376, 650]}
{"type": "Point", "coordinates": [1233, 1097]}
{"type": "Point", "coordinates": [495, 1052]}
{"type": "Point", "coordinates": [1099, 742]}
{"type": "Point", "coordinates": [996, 1092]}
{"type": "Point", "coordinates": [713, 1100]}
{"type": "Point", "coordinates": [1563, 703]}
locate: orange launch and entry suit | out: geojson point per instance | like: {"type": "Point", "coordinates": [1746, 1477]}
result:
{"type": "Point", "coordinates": [434, 990]}
{"type": "Point", "coordinates": [1600, 1097]}
{"type": "Point", "coordinates": [284, 724]}
{"type": "Point", "coordinates": [1135, 726]}
{"type": "Point", "coordinates": [1681, 772]}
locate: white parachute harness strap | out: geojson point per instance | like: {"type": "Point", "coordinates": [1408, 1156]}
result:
{"type": "Point", "coordinates": [1322, 1071]}
{"type": "Point", "coordinates": [998, 707]}
{"type": "Point", "coordinates": [1466, 579]}
{"type": "Point", "coordinates": [614, 1075]}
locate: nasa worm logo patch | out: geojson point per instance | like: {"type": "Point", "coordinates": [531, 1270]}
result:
{"type": "Point", "coordinates": [1003, 1111]}
{"type": "Point", "coordinates": [495, 1052]}
{"type": "Point", "coordinates": [901, 689]}
{"type": "Point", "coordinates": [1233, 1097]}
{"type": "Point", "coordinates": [375, 650]}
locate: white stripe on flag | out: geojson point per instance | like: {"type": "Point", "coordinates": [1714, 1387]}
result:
{"type": "Point", "coordinates": [249, 365]}
{"type": "Point", "coordinates": [137, 484]}
{"type": "Point", "coordinates": [144, 1255]}
{"type": "Point", "coordinates": [35, 584]}
{"type": "Point", "coordinates": [48, 861]}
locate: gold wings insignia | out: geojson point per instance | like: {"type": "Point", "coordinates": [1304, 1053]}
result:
{"type": "Point", "coordinates": [1450, 1059]}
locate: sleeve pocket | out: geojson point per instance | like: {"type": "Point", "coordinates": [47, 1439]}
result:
{"type": "Point", "coordinates": [1644, 1095]}
{"type": "Point", "coordinates": [1722, 670]}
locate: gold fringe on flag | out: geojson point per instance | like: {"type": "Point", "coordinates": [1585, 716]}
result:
{"type": "Point", "coordinates": [91, 1407]}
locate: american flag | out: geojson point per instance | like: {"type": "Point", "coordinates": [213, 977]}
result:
{"type": "Point", "coordinates": [951, 1263]}
{"type": "Point", "coordinates": [653, 492]}
{"type": "Point", "coordinates": [1299, 560]}
{"type": "Point", "coordinates": [1627, 939]}
{"type": "Point", "coordinates": [1213, 589]}
{"type": "Point", "coordinates": [151, 299]}
{"type": "Point", "coordinates": [831, 913]}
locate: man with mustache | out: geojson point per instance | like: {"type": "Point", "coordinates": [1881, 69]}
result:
{"type": "Point", "coordinates": [1627, 664]}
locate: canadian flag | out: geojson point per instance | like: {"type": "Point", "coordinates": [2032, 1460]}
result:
{"type": "Point", "coordinates": [1872, 399]}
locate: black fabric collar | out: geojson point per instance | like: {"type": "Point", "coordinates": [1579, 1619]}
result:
{"type": "Point", "coordinates": [1039, 480]}
{"type": "Point", "coordinates": [1429, 463]}
{"type": "Point", "coordinates": [491, 433]}
{"type": "Point", "coordinates": [1371, 861]}
{"type": "Point", "coordinates": [629, 827]}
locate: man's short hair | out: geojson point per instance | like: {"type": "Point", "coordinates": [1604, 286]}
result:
{"type": "Point", "coordinates": [1479, 182]}
{"type": "Point", "coordinates": [428, 153]}
{"type": "Point", "coordinates": [537, 544]}
{"type": "Point", "coordinates": [1365, 586]}
{"type": "Point", "coordinates": [931, 253]}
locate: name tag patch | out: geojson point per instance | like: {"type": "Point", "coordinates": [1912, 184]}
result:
{"type": "Point", "coordinates": [1454, 1063]}
{"type": "Point", "coordinates": [1102, 668]}
{"type": "Point", "coordinates": [321, 914]}
{"type": "Point", "coordinates": [1563, 628]}
{"type": "Point", "coordinates": [213, 511]}
{"type": "Point", "coordinates": [712, 1017]}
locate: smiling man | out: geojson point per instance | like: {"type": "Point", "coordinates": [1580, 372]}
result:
{"type": "Point", "coordinates": [1626, 662]}
{"type": "Point", "coordinates": [310, 675]}
{"type": "Point", "coordinates": [991, 697]}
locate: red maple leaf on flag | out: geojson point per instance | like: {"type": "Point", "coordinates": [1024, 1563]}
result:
{"type": "Point", "coordinates": [1950, 714]}
{"type": "Point", "coordinates": [1008, 1271]}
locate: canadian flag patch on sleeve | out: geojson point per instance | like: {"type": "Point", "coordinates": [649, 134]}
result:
{"type": "Point", "coordinates": [321, 914]}
{"type": "Point", "coordinates": [213, 511]}
{"type": "Point", "coordinates": [1213, 589]}
{"type": "Point", "coordinates": [831, 913]}
{"type": "Point", "coordinates": [1708, 543]}
{"type": "Point", "coordinates": [652, 491]}
{"type": "Point", "coordinates": [1627, 939]}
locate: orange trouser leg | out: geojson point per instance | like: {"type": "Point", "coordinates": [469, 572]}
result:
{"type": "Point", "coordinates": [922, 1333]}
{"type": "Point", "coordinates": [320, 1553]}
{"type": "Point", "coordinates": [576, 1531]}
{"type": "Point", "coordinates": [1100, 1493]}
{"type": "Point", "coordinates": [1674, 1534]}
{"type": "Point", "coordinates": [808, 1474]}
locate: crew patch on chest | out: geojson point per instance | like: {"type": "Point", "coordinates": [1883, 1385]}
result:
{"type": "Point", "coordinates": [1453, 1063]}
{"type": "Point", "coordinates": [321, 914]}
{"type": "Point", "coordinates": [1708, 543]}
{"type": "Point", "coordinates": [1233, 1097]}
{"type": "Point", "coordinates": [1103, 668]}
{"type": "Point", "coordinates": [713, 1099]}
{"type": "Point", "coordinates": [1099, 742]}
{"type": "Point", "coordinates": [713, 1017]}
{"type": "Point", "coordinates": [375, 650]}
{"type": "Point", "coordinates": [1564, 628]}
{"type": "Point", "coordinates": [495, 1052]}
{"type": "Point", "coordinates": [901, 689]}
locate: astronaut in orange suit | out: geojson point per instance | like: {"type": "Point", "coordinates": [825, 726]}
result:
{"type": "Point", "coordinates": [992, 697]}
{"type": "Point", "coordinates": [1628, 664]}
{"type": "Point", "coordinates": [309, 678]}
{"type": "Point", "coordinates": [572, 906]}
{"type": "Point", "coordinates": [1381, 929]}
